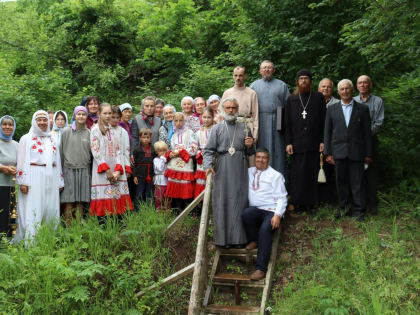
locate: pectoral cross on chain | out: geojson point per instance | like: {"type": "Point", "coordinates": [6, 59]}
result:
{"type": "Point", "coordinates": [304, 113]}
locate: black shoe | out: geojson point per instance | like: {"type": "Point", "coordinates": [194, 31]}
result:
{"type": "Point", "coordinates": [359, 216]}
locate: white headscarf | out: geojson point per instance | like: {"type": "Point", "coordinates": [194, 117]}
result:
{"type": "Point", "coordinates": [35, 131]}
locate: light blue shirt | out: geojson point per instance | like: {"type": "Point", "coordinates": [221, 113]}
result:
{"type": "Point", "coordinates": [347, 108]}
{"type": "Point", "coordinates": [376, 110]}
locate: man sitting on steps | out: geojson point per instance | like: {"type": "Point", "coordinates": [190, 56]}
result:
{"type": "Point", "coordinates": [267, 204]}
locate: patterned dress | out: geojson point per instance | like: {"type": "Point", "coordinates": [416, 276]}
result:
{"type": "Point", "coordinates": [192, 122]}
{"type": "Point", "coordinates": [180, 170]}
{"type": "Point", "coordinates": [200, 174]}
{"type": "Point", "coordinates": [107, 198]}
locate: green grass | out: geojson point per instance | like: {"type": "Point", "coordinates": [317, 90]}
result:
{"type": "Point", "coordinates": [88, 268]}
{"type": "Point", "coordinates": [345, 267]}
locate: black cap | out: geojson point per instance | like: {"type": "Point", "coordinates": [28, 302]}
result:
{"type": "Point", "coordinates": [304, 72]}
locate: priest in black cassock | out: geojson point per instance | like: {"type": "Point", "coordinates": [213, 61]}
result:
{"type": "Point", "coordinates": [304, 126]}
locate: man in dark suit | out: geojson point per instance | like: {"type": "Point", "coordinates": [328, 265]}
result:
{"type": "Point", "coordinates": [348, 146]}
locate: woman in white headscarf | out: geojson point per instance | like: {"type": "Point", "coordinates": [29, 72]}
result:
{"type": "Point", "coordinates": [60, 122]}
{"type": "Point", "coordinates": [39, 177]}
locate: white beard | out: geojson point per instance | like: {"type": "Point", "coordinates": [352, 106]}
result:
{"type": "Point", "coordinates": [229, 118]}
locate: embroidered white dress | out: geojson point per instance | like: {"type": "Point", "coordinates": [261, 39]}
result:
{"type": "Point", "coordinates": [180, 170]}
{"type": "Point", "coordinates": [42, 202]}
{"type": "Point", "coordinates": [107, 198]}
{"type": "Point", "coordinates": [200, 174]}
{"type": "Point", "coordinates": [123, 138]}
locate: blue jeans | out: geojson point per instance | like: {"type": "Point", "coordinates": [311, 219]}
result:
{"type": "Point", "coordinates": [144, 192]}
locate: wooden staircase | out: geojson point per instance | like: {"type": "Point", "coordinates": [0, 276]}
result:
{"type": "Point", "coordinates": [210, 286]}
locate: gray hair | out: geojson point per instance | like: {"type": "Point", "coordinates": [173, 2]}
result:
{"type": "Point", "coordinates": [268, 61]}
{"type": "Point", "coordinates": [169, 106]}
{"type": "Point", "coordinates": [187, 98]}
{"type": "Point", "coordinates": [147, 98]}
{"type": "Point", "coordinates": [324, 79]}
{"type": "Point", "coordinates": [344, 81]}
{"type": "Point", "coordinates": [229, 99]}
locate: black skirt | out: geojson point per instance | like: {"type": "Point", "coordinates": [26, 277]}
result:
{"type": "Point", "coordinates": [7, 201]}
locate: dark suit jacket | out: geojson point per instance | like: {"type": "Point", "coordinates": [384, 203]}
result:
{"type": "Point", "coordinates": [353, 142]}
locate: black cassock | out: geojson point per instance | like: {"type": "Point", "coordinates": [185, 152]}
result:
{"type": "Point", "coordinates": [305, 134]}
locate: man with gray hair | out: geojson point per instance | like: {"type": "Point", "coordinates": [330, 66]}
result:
{"type": "Point", "coordinates": [326, 87]}
{"type": "Point", "coordinates": [348, 146]}
{"type": "Point", "coordinates": [229, 141]}
{"type": "Point", "coordinates": [272, 96]}
{"type": "Point", "coordinates": [377, 113]}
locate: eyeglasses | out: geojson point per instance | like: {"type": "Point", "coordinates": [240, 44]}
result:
{"type": "Point", "coordinates": [267, 68]}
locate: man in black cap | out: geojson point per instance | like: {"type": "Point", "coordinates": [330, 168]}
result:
{"type": "Point", "coordinates": [304, 126]}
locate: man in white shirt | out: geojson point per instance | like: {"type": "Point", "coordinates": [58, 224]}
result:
{"type": "Point", "coordinates": [267, 203]}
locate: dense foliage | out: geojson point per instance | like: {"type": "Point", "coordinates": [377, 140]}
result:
{"type": "Point", "coordinates": [52, 53]}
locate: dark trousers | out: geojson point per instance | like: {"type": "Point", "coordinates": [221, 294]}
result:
{"type": "Point", "coordinates": [350, 188]}
{"type": "Point", "coordinates": [258, 229]}
{"type": "Point", "coordinates": [144, 191]}
{"type": "Point", "coordinates": [372, 177]}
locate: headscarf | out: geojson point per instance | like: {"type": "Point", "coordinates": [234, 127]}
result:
{"type": "Point", "coordinates": [169, 125]}
{"type": "Point", "coordinates": [84, 100]}
{"type": "Point", "coordinates": [2, 135]}
{"type": "Point", "coordinates": [35, 132]}
{"type": "Point", "coordinates": [76, 110]}
{"type": "Point", "coordinates": [192, 101]}
{"type": "Point", "coordinates": [55, 127]}
{"type": "Point", "coordinates": [125, 106]}
{"type": "Point", "coordinates": [213, 98]}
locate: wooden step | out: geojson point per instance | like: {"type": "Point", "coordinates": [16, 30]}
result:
{"type": "Point", "coordinates": [238, 252]}
{"type": "Point", "coordinates": [241, 279]}
{"type": "Point", "coordinates": [231, 309]}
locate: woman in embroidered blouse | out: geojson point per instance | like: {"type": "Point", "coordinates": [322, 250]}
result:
{"type": "Point", "coordinates": [8, 158]}
{"type": "Point", "coordinates": [202, 136]}
{"type": "Point", "coordinates": [39, 177]}
{"type": "Point", "coordinates": [180, 170]}
{"type": "Point", "coordinates": [109, 192]}
{"type": "Point", "coordinates": [167, 129]}
{"type": "Point", "coordinates": [60, 121]}
{"type": "Point", "coordinates": [191, 122]}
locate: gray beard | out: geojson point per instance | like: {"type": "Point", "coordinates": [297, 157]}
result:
{"type": "Point", "coordinates": [267, 77]}
{"type": "Point", "coordinates": [229, 118]}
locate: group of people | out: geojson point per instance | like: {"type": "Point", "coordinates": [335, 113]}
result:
{"type": "Point", "coordinates": [110, 160]}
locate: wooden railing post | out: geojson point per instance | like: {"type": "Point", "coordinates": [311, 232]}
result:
{"type": "Point", "coordinates": [200, 268]}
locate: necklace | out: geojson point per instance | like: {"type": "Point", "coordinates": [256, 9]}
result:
{"type": "Point", "coordinates": [304, 113]}
{"type": "Point", "coordinates": [231, 149]}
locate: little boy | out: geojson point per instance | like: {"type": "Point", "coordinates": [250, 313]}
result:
{"type": "Point", "coordinates": [160, 181]}
{"type": "Point", "coordinates": [143, 167]}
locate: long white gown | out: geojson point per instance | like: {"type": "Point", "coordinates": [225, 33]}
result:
{"type": "Point", "coordinates": [42, 202]}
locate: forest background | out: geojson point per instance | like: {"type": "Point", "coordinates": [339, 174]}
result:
{"type": "Point", "coordinates": [52, 53]}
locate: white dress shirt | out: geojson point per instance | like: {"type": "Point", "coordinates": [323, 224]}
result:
{"type": "Point", "coordinates": [267, 191]}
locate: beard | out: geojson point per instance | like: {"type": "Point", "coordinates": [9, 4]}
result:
{"type": "Point", "coordinates": [304, 88]}
{"type": "Point", "coordinates": [229, 118]}
{"type": "Point", "coordinates": [268, 77]}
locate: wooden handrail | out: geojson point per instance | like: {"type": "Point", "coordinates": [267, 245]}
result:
{"type": "Point", "coordinates": [200, 265]}
{"type": "Point", "coordinates": [181, 217]}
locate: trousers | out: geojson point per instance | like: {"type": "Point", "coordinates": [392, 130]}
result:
{"type": "Point", "coordinates": [258, 229]}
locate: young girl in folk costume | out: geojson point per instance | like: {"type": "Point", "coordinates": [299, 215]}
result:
{"type": "Point", "coordinates": [160, 181]}
{"type": "Point", "coordinates": [76, 160]}
{"type": "Point", "coordinates": [122, 138]}
{"type": "Point", "coordinates": [40, 178]}
{"type": "Point", "coordinates": [202, 136]}
{"type": "Point", "coordinates": [180, 171]}
{"type": "Point", "coordinates": [143, 166]}
{"type": "Point", "coordinates": [192, 122]}
{"type": "Point", "coordinates": [109, 191]}
{"type": "Point", "coordinates": [59, 123]}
